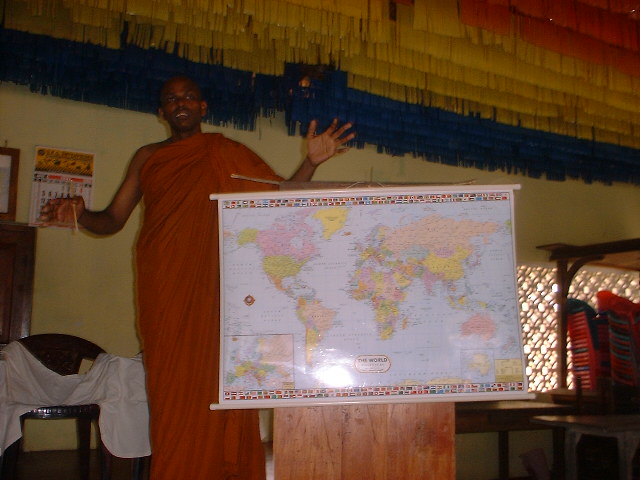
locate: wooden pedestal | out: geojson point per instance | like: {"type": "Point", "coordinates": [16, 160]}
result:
{"type": "Point", "coordinates": [365, 441]}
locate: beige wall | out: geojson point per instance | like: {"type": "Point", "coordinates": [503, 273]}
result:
{"type": "Point", "coordinates": [84, 285]}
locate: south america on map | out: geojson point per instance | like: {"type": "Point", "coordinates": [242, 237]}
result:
{"type": "Point", "coordinates": [361, 294]}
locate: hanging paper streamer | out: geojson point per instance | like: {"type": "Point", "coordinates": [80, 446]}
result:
{"type": "Point", "coordinates": [475, 82]}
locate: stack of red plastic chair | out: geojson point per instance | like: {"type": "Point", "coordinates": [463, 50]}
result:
{"type": "Point", "coordinates": [624, 338]}
{"type": "Point", "coordinates": [589, 334]}
{"type": "Point", "coordinates": [624, 330]}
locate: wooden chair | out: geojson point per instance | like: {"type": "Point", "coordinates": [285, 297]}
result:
{"type": "Point", "coordinates": [64, 355]}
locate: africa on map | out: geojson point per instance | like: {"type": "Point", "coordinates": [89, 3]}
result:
{"type": "Point", "coordinates": [341, 296]}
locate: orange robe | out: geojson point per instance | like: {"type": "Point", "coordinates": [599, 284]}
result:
{"type": "Point", "coordinates": [178, 308]}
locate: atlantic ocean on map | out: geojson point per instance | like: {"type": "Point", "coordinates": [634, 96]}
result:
{"type": "Point", "coordinates": [369, 294]}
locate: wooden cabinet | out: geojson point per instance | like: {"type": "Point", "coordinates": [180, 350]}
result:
{"type": "Point", "coordinates": [17, 262]}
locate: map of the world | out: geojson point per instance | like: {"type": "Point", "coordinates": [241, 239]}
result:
{"type": "Point", "coordinates": [368, 294]}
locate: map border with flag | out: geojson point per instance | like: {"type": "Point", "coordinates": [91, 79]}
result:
{"type": "Point", "coordinates": [505, 379]}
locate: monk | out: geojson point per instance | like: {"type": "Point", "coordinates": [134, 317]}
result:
{"type": "Point", "coordinates": [178, 281]}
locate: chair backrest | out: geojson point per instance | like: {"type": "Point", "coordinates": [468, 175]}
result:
{"type": "Point", "coordinates": [590, 351]}
{"type": "Point", "coordinates": [624, 334]}
{"type": "Point", "coordinates": [60, 352]}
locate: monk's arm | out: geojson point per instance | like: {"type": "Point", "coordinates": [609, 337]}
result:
{"type": "Point", "coordinates": [102, 222]}
{"type": "Point", "coordinates": [113, 218]}
{"type": "Point", "coordinates": [305, 172]}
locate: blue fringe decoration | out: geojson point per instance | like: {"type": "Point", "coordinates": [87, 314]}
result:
{"type": "Point", "coordinates": [130, 78]}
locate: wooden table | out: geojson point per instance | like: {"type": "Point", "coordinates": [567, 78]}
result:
{"type": "Point", "coordinates": [504, 416]}
{"type": "Point", "coordinates": [624, 428]}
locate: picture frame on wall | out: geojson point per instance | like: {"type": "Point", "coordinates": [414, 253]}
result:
{"type": "Point", "coordinates": [9, 162]}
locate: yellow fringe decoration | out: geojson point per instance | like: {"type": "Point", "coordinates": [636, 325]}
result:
{"type": "Point", "coordinates": [424, 55]}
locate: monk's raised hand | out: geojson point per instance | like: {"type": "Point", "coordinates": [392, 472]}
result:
{"type": "Point", "coordinates": [321, 148]}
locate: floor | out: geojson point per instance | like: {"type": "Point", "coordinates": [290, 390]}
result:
{"type": "Point", "coordinates": [63, 465]}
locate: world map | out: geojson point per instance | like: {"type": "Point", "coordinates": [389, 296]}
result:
{"type": "Point", "coordinates": [367, 294]}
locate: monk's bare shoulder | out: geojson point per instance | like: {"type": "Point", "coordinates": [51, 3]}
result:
{"type": "Point", "coordinates": [143, 154]}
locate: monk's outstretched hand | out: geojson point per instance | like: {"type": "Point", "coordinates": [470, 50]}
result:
{"type": "Point", "coordinates": [321, 148]}
{"type": "Point", "coordinates": [61, 211]}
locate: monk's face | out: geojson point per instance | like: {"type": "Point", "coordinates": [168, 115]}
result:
{"type": "Point", "coordinates": [182, 107]}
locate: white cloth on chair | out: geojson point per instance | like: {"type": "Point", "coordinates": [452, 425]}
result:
{"type": "Point", "coordinates": [115, 383]}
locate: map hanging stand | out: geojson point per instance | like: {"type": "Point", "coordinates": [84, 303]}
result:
{"type": "Point", "coordinates": [360, 315]}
